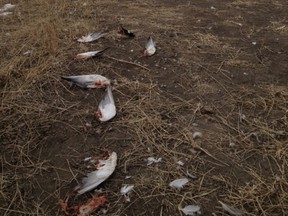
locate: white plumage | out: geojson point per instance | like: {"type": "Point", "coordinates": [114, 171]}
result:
{"type": "Point", "coordinates": [90, 54]}
{"type": "Point", "coordinates": [95, 178]}
{"type": "Point", "coordinates": [179, 183]}
{"type": "Point", "coordinates": [150, 47]}
{"type": "Point", "coordinates": [88, 81]}
{"type": "Point", "coordinates": [106, 107]}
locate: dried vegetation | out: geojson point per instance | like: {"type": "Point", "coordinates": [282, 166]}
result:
{"type": "Point", "coordinates": [207, 76]}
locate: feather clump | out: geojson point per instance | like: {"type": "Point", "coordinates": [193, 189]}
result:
{"type": "Point", "coordinates": [126, 190]}
{"type": "Point", "coordinates": [191, 210]}
{"type": "Point", "coordinates": [179, 183]}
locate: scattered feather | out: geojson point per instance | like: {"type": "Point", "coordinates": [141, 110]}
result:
{"type": "Point", "coordinates": [87, 159]}
{"type": "Point", "coordinates": [232, 144]}
{"type": "Point", "coordinates": [7, 7]}
{"type": "Point", "coordinates": [179, 183]}
{"type": "Point", "coordinates": [126, 190]}
{"type": "Point", "coordinates": [27, 52]}
{"type": "Point", "coordinates": [91, 37]}
{"type": "Point", "coordinates": [230, 209]}
{"type": "Point", "coordinates": [191, 210]}
{"type": "Point", "coordinates": [6, 13]}
{"type": "Point", "coordinates": [93, 179]}
{"type": "Point", "coordinates": [152, 160]}
{"type": "Point", "coordinates": [191, 176]}
{"type": "Point", "coordinates": [180, 163]}
{"type": "Point", "coordinates": [196, 135]}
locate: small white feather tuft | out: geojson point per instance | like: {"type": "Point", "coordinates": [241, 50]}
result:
{"type": "Point", "coordinates": [151, 160]}
{"type": "Point", "coordinates": [196, 135]}
{"type": "Point", "coordinates": [179, 183]}
{"type": "Point", "coordinates": [191, 210]}
{"type": "Point", "coordinates": [126, 190]}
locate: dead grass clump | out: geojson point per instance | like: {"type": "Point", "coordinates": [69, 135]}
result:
{"type": "Point", "coordinates": [263, 196]}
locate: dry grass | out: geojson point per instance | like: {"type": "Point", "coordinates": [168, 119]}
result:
{"type": "Point", "coordinates": [194, 83]}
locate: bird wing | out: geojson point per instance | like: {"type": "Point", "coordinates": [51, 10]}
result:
{"type": "Point", "coordinates": [149, 43]}
{"type": "Point", "coordinates": [96, 36]}
{"type": "Point", "coordinates": [108, 99]}
{"type": "Point", "coordinates": [95, 178]}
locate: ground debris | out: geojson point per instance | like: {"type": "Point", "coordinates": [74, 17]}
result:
{"type": "Point", "coordinates": [230, 209]}
{"type": "Point", "coordinates": [179, 183]}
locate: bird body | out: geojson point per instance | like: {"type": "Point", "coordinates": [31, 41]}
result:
{"type": "Point", "coordinates": [88, 81]}
{"type": "Point", "coordinates": [95, 178]}
{"type": "Point", "coordinates": [150, 47]}
{"type": "Point", "coordinates": [90, 54]}
{"type": "Point", "coordinates": [106, 107]}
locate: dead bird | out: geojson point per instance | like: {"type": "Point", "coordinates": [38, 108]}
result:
{"type": "Point", "coordinates": [105, 168]}
{"type": "Point", "coordinates": [88, 81]}
{"type": "Point", "coordinates": [150, 47]}
{"type": "Point", "coordinates": [106, 107]}
{"type": "Point", "coordinates": [91, 54]}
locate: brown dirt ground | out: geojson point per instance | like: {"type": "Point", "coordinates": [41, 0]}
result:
{"type": "Point", "coordinates": [221, 68]}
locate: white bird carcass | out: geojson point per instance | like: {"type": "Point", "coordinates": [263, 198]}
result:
{"type": "Point", "coordinates": [88, 81]}
{"type": "Point", "coordinates": [104, 169]}
{"type": "Point", "coordinates": [150, 47]}
{"type": "Point", "coordinates": [106, 107]}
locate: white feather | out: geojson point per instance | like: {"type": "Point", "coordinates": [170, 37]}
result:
{"type": "Point", "coordinates": [196, 135]}
{"type": "Point", "coordinates": [6, 13]}
{"type": "Point", "coordinates": [151, 160]}
{"type": "Point", "coordinates": [126, 190]}
{"type": "Point", "coordinates": [87, 55]}
{"type": "Point", "coordinates": [190, 209]}
{"type": "Point", "coordinates": [107, 108]}
{"type": "Point", "coordinates": [91, 37]}
{"type": "Point", "coordinates": [7, 7]}
{"type": "Point", "coordinates": [179, 183]}
{"type": "Point", "coordinates": [230, 209]}
{"type": "Point", "coordinates": [180, 163]}
{"type": "Point", "coordinates": [95, 178]}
